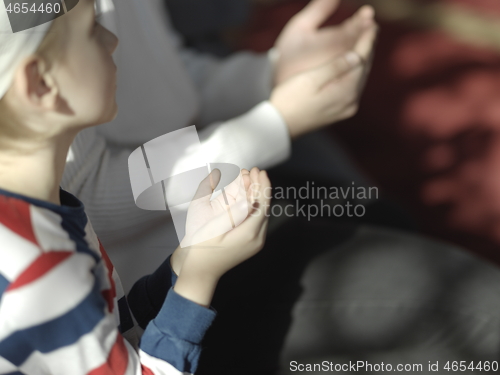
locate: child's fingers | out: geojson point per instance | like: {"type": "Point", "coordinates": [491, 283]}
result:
{"type": "Point", "coordinates": [264, 179]}
{"type": "Point", "coordinates": [258, 216]}
{"type": "Point", "coordinates": [254, 183]}
{"type": "Point", "coordinates": [265, 187]}
{"type": "Point", "coordinates": [248, 186]}
{"type": "Point", "coordinates": [235, 190]}
{"type": "Point", "coordinates": [214, 178]}
{"type": "Point", "coordinates": [238, 189]}
{"type": "Point", "coordinates": [254, 222]}
{"type": "Point", "coordinates": [246, 181]}
{"type": "Point", "coordinates": [254, 175]}
{"type": "Point", "coordinates": [207, 186]}
{"type": "Point", "coordinates": [263, 229]}
{"type": "Point", "coordinates": [245, 174]}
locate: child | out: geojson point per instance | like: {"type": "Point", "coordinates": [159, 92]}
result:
{"type": "Point", "coordinates": [62, 309]}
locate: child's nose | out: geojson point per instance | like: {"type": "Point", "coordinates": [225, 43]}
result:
{"type": "Point", "coordinates": [111, 40]}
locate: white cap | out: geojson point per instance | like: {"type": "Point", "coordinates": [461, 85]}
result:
{"type": "Point", "coordinates": [15, 46]}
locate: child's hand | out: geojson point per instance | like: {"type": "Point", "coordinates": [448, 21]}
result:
{"type": "Point", "coordinates": [208, 218]}
{"type": "Point", "coordinates": [200, 266]}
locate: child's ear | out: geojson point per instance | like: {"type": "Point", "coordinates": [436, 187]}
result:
{"type": "Point", "coordinates": [38, 84]}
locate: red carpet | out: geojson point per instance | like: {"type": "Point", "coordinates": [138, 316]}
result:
{"type": "Point", "coordinates": [428, 131]}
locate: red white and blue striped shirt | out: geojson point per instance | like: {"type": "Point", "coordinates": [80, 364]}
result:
{"type": "Point", "coordinates": [62, 307]}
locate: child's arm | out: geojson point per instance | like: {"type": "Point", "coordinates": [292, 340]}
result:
{"type": "Point", "coordinates": [149, 293]}
{"type": "Point", "coordinates": [200, 267]}
{"type": "Point", "coordinates": [59, 323]}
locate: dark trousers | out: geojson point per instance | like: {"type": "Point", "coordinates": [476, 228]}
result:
{"type": "Point", "coordinates": [342, 292]}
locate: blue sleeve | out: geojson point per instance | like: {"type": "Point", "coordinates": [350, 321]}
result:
{"type": "Point", "coordinates": [180, 324]}
{"type": "Point", "coordinates": [147, 296]}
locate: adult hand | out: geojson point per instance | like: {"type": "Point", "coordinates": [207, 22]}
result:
{"type": "Point", "coordinates": [303, 44]}
{"type": "Point", "coordinates": [326, 94]}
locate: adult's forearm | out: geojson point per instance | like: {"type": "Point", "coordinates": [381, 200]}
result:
{"type": "Point", "coordinates": [99, 176]}
{"type": "Point", "coordinates": [231, 86]}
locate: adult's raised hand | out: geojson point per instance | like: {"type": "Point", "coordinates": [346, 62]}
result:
{"type": "Point", "coordinates": [324, 95]}
{"type": "Point", "coordinates": [304, 44]}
